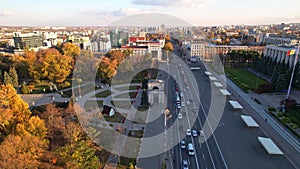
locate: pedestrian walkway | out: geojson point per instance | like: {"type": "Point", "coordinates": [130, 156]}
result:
{"type": "Point", "coordinates": [274, 129]}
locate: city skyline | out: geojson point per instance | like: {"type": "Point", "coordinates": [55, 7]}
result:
{"type": "Point", "coordinates": [102, 13]}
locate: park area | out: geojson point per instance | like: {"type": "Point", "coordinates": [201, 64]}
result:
{"type": "Point", "coordinates": [244, 79]}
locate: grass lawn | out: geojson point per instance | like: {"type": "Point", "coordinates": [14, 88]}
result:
{"type": "Point", "coordinates": [243, 76]}
{"type": "Point", "coordinates": [84, 90]}
{"type": "Point", "coordinates": [121, 104]}
{"type": "Point", "coordinates": [140, 117]}
{"type": "Point", "coordinates": [294, 114]}
{"type": "Point", "coordinates": [125, 95]}
{"type": "Point", "coordinates": [103, 94]}
{"type": "Point", "coordinates": [91, 105]}
{"type": "Point", "coordinates": [126, 88]}
{"type": "Point", "coordinates": [117, 118]}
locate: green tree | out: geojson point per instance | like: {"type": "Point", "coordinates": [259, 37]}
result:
{"type": "Point", "coordinates": [14, 76]}
{"type": "Point", "coordinates": [7, 79]}
{"type": "Point", "coordinates": [1, 77]}
{"type": "Point", "coordinates": [80, 155]}
{"type": "Point", "coordinates": [25, 89]}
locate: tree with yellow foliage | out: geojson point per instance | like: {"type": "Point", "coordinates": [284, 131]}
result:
{"type": "Point", "coordinates": [50, 64]}
{"type": "Point", "coordinates": [70, 49]}
{"type": "Point", "coordinates": [23, 135]}
{"type": "Point", "coordinates": [107, 69]}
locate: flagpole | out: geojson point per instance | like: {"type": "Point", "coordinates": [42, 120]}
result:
{"type": "Point", "coordinates": [292, 76]}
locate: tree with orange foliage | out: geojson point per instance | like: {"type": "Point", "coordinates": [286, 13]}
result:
{"type": "Point", "coordinates": [117, 55]}
{"type": "Point", "coordinates": [70, 49]}
{"type": "Point", "coordinates": [167, 38]}
{"type": "Point", "coordinates": [21, 151]}
{"type": "Point", "coordinates": [13, 110]}
{"type": "Point", "coordinates": [107, 69]}
{"type": "Point", "coordinates": [50, 64]}
{"type": "Point", "coordinates": [22, 134]}
{"type": "Point", "coordinates": [168, 46]}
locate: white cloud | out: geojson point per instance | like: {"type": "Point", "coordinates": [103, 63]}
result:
{"type": "Point", "coordinates": [120, 12]}
{"type": "Point", "coordinates": [6, 13]}
{"type": "Point", "coordinates": [129, 11]}
{"type": "Point", "coordinates": [166, 3]}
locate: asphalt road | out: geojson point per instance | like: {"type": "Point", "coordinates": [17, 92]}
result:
{"type": "Point", "coordinates": [233, 145]}
{"type": "Point", "coordinates": [232, 140]}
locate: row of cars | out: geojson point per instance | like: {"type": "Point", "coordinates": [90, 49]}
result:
{"type": "Point", "coordinates": [189, 147]}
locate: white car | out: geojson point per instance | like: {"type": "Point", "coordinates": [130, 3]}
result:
{"type": "Point", "coordinates": [179, 116]}
{"type": "Point", "coordinates": [182, 144]}
{"type": "Point", "coordinates": [182, 104]}
{"type": "Point", "coordinates": [190, 148]}
{"type": "Point", "coordinates": [178, 106]}
{"type": "Point", "coordinates": [181, 94]}
{"type": "Point", "coordinates": [201, 133]}
{"type": "Point", "coordinates": [188, 103]}
{"type": "Point", "coordinates": [194, 133]}
{"type": "Point", "coordinates": [188, 132]}
{"type": "Point", "coordinates": [185, 164]}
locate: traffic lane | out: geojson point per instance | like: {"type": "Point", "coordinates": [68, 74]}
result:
{"type": "Point", "coordinates": [212, 151]}
{"type": "Point", "coordinates": [205, 151]}
{"type": "Point", "coordinates": [194, 161]}
{"type": "Point", "coordinates": [204, 159]}
{"type": "Point", "coordinates": [179, 154]}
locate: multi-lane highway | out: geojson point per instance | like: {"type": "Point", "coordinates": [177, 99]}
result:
{"type": "Point", "coordinates": [207, 154]}
{"type": "Point", "coordinates": [232, 145]}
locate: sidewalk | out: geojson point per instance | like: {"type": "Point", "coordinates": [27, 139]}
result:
{"type": "Point", "coordinates": [283, 137]}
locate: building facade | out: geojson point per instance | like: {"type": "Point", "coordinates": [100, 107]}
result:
{"type": "Point", "coordinates": [280, 53]}
{"type": "Point", "coordinates": [29, 40]}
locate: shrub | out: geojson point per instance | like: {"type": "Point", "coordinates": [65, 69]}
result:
{"type": "Point", "coordinates": [294, 126]}
{"type": "Point", "coordinates": [264, 88]}
{"type": "Point", "coordinates": [286, 120]}
{"type": "Point", "coordinates": [279, 115]}
{"type": "Point", "coordinates": [65, 84]}
{"type": "Point", "coordinates": [25, 89]}
{"type": "Point", "coordinates": [272, 109]}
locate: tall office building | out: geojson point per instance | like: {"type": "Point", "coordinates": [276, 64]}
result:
{"type": "Point", "coordinates": [30, 40]}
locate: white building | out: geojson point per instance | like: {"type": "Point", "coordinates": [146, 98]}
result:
{"type": "Point", "coordinates": [277, 40]}
{"type": "Point", "coordinates": [280, 53]}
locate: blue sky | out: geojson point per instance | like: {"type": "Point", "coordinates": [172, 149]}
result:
{"type": "Point", "coordinates": [103, 12]}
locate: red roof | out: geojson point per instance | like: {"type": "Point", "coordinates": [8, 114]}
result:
{"type": "Point", "coordinates": [136, 39]}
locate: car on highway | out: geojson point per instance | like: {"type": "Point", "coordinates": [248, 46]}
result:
{"type": "Point", "coordinates": [188, 132]}
{"type": "Point", "coordinates": [194, 109]}
{"type": "Point", "coordinates": [201, 133]}
{"type": "Point", "coordinates": [181, 94]}
{"type": "Point", "coordinates": [178, 106]}
{"type": "Point", "coordinates": [179, 116]}
{"type": "Point", "coordinates": [194, 133]}
{"type": "Point", "coordinates": [182, 104]}
{"type": "Point", "coordinates": [190, 148]}
{"type": "Point", "coordinates": [185, 164]}
{"type": "Point", "coordinates": [188, 103]}
{"type": "Point", "coordinates": [182, 144]}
